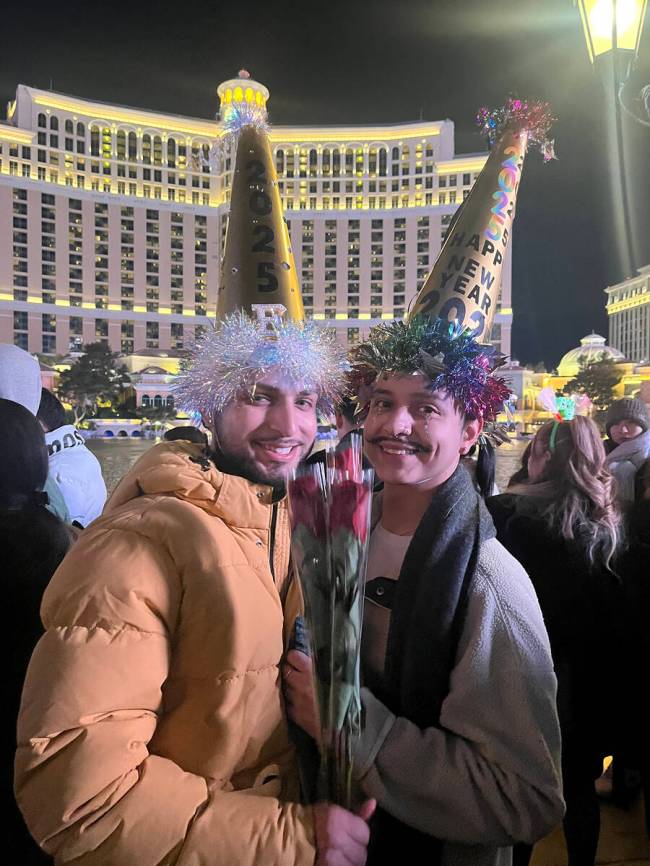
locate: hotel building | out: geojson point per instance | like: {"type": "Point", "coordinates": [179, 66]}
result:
{"type": "Point", "coordinates": [113, 219]}
{"type": "Point", "coordinates": [628, 311]}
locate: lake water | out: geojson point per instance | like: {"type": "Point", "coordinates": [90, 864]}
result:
{"type": "Point", "coordinates": [118, 455]}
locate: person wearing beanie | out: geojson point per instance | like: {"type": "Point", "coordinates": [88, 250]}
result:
{"type": "Point", "coordinates": [628, 459]}
{"type": "Point", "coordinates": [20, 381]}
{"type": "Point", "coordinates": [628, 445]}
{"type": "Point", "coordinates": [75, 469]}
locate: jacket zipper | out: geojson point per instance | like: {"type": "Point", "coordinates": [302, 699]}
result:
{"type": "Point", "coordinates": [274, 520]}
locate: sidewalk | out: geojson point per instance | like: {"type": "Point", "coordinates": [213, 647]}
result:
{"type": "Point", "coordinates": [623, 840]}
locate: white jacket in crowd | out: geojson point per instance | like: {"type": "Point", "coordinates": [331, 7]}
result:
{"type": "Point", "coordinates": [77, 472]}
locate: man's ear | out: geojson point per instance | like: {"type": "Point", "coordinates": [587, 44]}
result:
{"type": "Point", "coordinates": [471, 431]}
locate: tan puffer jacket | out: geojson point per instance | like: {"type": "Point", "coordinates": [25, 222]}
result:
{"type": "Point", "coordinates": [151, 729]}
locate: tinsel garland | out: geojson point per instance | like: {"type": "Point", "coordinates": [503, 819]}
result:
{"type": "Point", "coordinates": [236, 118]}
{"type": "Point", "coordinates": [231, 357]}
{"type": "Point", "coordinates": [444, 352]}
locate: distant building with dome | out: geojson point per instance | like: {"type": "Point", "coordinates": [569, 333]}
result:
{"type": "Point", "coordinates": [526, 384]}
{"type": "Point", "coordinates": [592, 348]}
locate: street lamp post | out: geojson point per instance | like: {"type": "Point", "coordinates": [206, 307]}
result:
{"type": "Point", "coordinates": [613, 32]}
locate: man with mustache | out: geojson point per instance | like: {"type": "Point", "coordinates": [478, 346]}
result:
{"type": "Point", "coordinates": [460, 744]}
{"type": "Point", "coordinates": [152, 729]}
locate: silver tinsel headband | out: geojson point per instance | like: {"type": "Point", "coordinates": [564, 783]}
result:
{"type": "Point", "coordinates": [232, 357]}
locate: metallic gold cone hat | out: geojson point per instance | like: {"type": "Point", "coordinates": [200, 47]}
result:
{"type": "Point", "coordinates": [258, 265]}
{"type": "Point", "coordinates": [465, 280]}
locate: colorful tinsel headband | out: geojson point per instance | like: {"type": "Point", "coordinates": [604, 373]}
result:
{"type": "Point", "coordinates": [444, 352]}
{"type": "Point", "coordinates": [232, 357]}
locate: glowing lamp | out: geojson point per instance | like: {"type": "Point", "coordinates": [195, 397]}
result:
{"type": "Point", "coordinates": [612, 24]}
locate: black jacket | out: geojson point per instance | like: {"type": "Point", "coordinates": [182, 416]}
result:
{"type": "Point", "coordinates": [584, 612]}
{"type": "Point", "coordinates": [33, 543]}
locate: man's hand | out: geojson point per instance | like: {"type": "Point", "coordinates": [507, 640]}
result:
{"type": "Point", "coordinates": [299, 692]}
{"type": "Point", "coordinates": [342, 837]}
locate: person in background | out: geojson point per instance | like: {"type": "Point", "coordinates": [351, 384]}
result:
{"type": "Point", "coordinates": [187, 433]}
{"type": "Point", "coordinates": [347, 418]}
{"type": "Point", "coordinates": [628, 447]}
{"type": "Point", "coordinates": [20, 381]}
{"type": "Point", "coordinates": [348, 424]}
{"type": "Point", "coordinates": [33, 543]}
{"type": "Point", "coordinates": [630, 769]}
{"type": "Point", "coordinates": [521, 474]}
{"type": "Point", "coordinates": [480, 462]}
{"type": "Point", "coordinates": [563, 524]}
{"type": "Point", "coordinates": [75, 469]}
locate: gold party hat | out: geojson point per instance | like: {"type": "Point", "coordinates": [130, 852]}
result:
{"type": "Point", "coordinates": [258, 265]}
{"type": "Point", "coordinates": [465, 280]}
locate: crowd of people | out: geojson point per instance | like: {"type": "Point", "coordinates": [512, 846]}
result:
{"type": "Point", "coordinates": [503, 643]}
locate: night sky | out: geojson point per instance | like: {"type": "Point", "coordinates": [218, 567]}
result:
{"type": "Point", "coordinates": [333, 62]}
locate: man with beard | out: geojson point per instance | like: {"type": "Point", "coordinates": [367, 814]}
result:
{"type": "Point", "coordinates": [460, 744]}
{"type": "Point", "coordinates": [152, 728]}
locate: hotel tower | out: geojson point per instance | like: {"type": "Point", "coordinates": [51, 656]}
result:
{"type": "Point", "coordinates": [113, 219]}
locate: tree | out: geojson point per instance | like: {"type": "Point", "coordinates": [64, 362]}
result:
{"type": "Point", "coordinates": [95, 383]}
{"type": "Point", "coordinates": [597, 379]}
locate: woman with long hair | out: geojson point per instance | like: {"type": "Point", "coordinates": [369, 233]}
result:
{"type": "Point", "coordinates": [33, 541]}
{"type": "Point", "coordinates": [563, 524]}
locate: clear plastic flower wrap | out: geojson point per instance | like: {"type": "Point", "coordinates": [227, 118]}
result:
{"type": "Point", "coordinates": [330, 508]}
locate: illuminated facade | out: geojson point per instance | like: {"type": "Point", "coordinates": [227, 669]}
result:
{"type": "Point", "coordinates": [113, 219]}
{"type": "Point", "coordinates": [628, 309]}
{"type": "Point", "coordinates": [526, 384]}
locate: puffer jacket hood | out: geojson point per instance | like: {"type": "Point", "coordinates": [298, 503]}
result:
{"type": "Point", "coordinates": [153, 701]}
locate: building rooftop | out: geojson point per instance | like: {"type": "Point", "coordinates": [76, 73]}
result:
{"type": "Point", "coordinates": [592, 348]}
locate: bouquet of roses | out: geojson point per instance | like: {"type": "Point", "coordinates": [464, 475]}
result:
{"type": "Point", "coordinates": [330, 520]}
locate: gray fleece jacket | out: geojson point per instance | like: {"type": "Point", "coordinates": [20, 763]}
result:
{"type": "Point", "coordinates": [490, 775]}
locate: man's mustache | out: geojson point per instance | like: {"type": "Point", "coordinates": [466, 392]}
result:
{"type": "Point", "coordinates": [399, 443]}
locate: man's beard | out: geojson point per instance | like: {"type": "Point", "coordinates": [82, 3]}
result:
{"type": "Point", "coordinates": [244, 467]}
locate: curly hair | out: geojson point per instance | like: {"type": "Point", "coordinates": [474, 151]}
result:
{"type": "Point", "coordinates": [579, 488]}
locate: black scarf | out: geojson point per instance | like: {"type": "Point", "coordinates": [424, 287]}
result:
{"type": "Point", "coordinates": [427, 618]}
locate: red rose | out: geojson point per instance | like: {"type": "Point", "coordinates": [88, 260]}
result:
{"type": "Point", "coordinates": [349, 508]}
{"type": "Point", "coordinates": [307, 505]}
{"type": "Point", "coordinates": [347, 458]}
{"type": "Point", "coordinates": [346, 461]}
